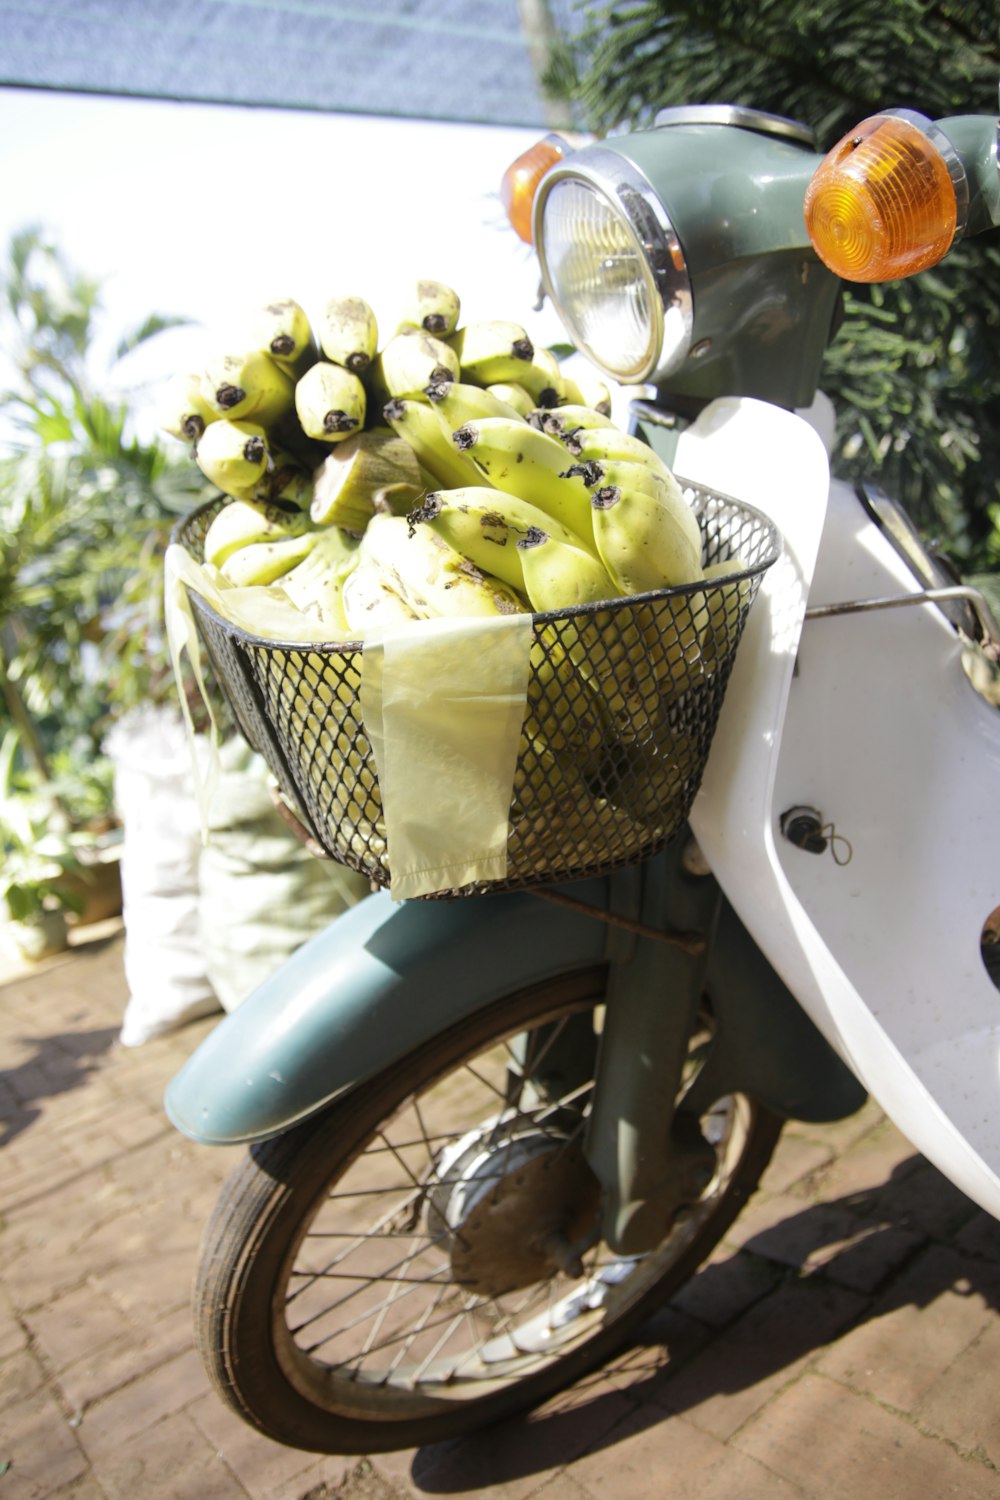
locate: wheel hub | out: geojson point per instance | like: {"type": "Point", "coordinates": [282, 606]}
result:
{"type": "Point", "coordinates": [512, 1206]}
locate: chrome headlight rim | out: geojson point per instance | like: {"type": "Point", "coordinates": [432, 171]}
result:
{"type": "Point", "coordinates": [631, 197]}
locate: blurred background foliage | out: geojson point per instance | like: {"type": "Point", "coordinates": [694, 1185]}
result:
{"type": "Point", "coordinates": [915, 368]}
{"type": "Point", "coordinates": [86, 509]}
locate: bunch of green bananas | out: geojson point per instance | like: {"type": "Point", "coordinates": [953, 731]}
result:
{"type": "Point", "coordinates": [453, 469]}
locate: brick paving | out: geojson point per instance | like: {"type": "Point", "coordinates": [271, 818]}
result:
{"type": "Point", "coordinates": [843, 1342]}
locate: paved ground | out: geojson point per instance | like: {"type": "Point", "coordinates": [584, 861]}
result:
{"type": "Point", "coordinates": [843, 1343]}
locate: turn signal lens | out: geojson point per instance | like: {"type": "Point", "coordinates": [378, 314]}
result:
{"type": "Point", "coordinates": [521, 179]}
{"type": "Point", "coordinates": [883, 202]}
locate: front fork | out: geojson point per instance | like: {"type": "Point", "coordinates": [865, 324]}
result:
{"type": "Point", "coordinates": [672, 938]}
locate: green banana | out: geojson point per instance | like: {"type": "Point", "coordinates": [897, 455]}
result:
{"type": "Point", "coordinates": [263, 562]}
{"type": "Point", "coordinates": [316, 585]}
{"type": "Point", "coordinates": [563, 710]}
{"type": "Point", "coordinates": [184, 412]}
{"type": "Point", "coordinates": [367, 599]}
{"type": "Point", "coordinates": [519, 459]}
{"type": "Point", "coordinates": [717, 613]}
{"type": "Point", "coordinates": [233, 455]}
{"type": "Point", "coordinates": [330, 402]}
{"type": "Point", "coordinates": [410, 362]}
{"type": "Point", "coordinates": [561, 575]}
{"type": "Point", "coordinates": [558, 824]}
{"type": "Point", "coordinates": [434, 307]}
{"type": "Point", "coordinates": [287, 482]}
{"type": "Point", "coordinates": [642, 543]}
{"type": "Point", "coordinates": [484, 525]}
{"type": "Point", "coordinates": [654, 779]}
{"type": "Point", "coordinates": [421, 427]}
{"type": "Point", "coordinates": [430, 575]}
{"type": "Point", "coordinates": [610, 446]}
{"type": "Point", "coordinates": [247, 387]}
{"type": "Point", "coordinates": [588, 391]}
{"type": "Point", "coordinates": [456, 401]}
{"type": "Point", "coordinates": [601, 474]}
{"type": "Point", "coordinates": [242, 522]}
{"type": "Point", "coordinates": [348, 333]}
{"type": "Point", "coordinates": [371, 471]}
{"type": "Point", "coordinates": [492, 350]}
{"type": "Point", "coordinates": [513, 395]}
{"type": "Point", "coordinates": [565, 420]}
{"type": "Point", "coordinates": [282, 330]}
{"type": "Point", "coordinates": [543, 379]}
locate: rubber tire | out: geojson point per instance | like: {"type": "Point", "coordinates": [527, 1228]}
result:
{"type": "Point", "coordinates": [263, 1204]}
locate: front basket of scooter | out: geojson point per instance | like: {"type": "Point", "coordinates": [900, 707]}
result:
{"type": "Point", "coordinates": [623, 701]}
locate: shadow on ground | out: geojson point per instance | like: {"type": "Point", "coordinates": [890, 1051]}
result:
{"type": "Point", "coordinates": [56, 1064]}
{"type": "Point", "coordinates": [658, 1377]}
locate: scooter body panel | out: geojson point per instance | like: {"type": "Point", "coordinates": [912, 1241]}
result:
{"type": "Point", "coordinates": [379, 981]}
{"type": "Point", "coordinates": [870, 719]}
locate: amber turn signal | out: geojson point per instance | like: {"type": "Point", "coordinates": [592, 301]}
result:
{"type": "Point", "coordinates": [521, 179]}
{"type": "Point", "coordinates": [882, 204]}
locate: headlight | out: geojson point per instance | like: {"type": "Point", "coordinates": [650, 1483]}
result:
{"type": "Point", "coordinates": [613, 266]}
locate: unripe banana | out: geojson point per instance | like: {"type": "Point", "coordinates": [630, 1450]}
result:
{"type": "Point", "coordinates": [243, 522]}
{"type": "Point", "coordinates": [656, 779]}
{"type": "Point", "coordinates": [433, 307]}
{"type": "Point", "coordinates": [589, 391]}
{"type": "Point", "coordinates": [247, 387]}
{"type": "Point", "coordinates": [282, 330]}
{"type": "Point", "coordinates": [563, 709]}
{"type": "Point", "coordinates": [513, 395]}
{"type": "Point", "coordinates": [368, 600]}
{"type": "Point", "coordinates": [286, 482]}
{"type": "Point", "coordinates": [372, 471]}
{"type": "Point", "coordinates": [608, 445]}
{"type": "Point", "coordinates": [717, 613]}
{"type": "Point", "coordinates": [563, 421]}
{"type": "Point", "coordinates": [601, 474]}
{"type": "Point", "coordinates": [184, 412]}
{"type": "Point", "coordinates": [348, 333]}
{"type": "Point", "coordinates": [484, 525]}
{"type": "Point", "coordinates": [642, 543]}
{"type": "Point", "coordinates": [491, 351]}
{"type": "Point", "coordinates": [561, 575]}
{"type": "Point", "coordinates": [316, 585]}
{"type": "Point", "coordinates": [519, 459]}
{"type": "Point", "coordinates": [432, 577]}
{"type": "Point", "coordinates": [330, 402]}
{"type": "Point", "coordinates": [421, 427]}
{"type": "Point", "coordinates": [233, 455]}
{"type": "Point", "coordinates": [543, 379]}
{"type": "Point", "coordinates": [410, 362]}
{"type": "Point", "coordinates": [456, 402]}
{"type": "Point", "coordinates": [263, 562]}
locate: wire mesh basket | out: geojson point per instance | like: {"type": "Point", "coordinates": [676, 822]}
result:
{"type": "Point", "coordinates": [623, 701]}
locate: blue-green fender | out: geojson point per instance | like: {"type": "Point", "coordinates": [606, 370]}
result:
{"type": "Point", "coordinates": [379, 981]}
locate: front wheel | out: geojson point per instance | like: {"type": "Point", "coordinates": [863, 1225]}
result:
{"type": "Point", "coordinates": [422, 1258]}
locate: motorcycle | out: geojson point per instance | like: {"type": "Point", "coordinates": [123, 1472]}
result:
{"type": "Point", "coordinates": [487, 1136]}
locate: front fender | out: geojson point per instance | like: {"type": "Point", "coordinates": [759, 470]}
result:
{"type": "Point", "coordinates": [379, 981]}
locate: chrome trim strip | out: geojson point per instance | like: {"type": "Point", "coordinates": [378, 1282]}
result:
{"type": "Point", "coordinates": [738, 115]}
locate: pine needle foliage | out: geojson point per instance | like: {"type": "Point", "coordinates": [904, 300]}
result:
{"type": "Point", "coordinates": [915, 367]}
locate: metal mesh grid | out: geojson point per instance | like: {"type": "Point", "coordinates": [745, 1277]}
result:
{"type": "Point", "coordinates": [623, 701]}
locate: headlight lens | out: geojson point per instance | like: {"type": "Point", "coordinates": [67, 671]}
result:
{"type": "Point", "coordinates": [613, 266]}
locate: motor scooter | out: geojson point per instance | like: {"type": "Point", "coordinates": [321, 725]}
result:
{"type": "Point", "coordinates": [488, 1135]}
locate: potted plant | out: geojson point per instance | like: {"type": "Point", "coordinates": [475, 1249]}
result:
{"type": "Point", "coordinates": [39, 862]}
